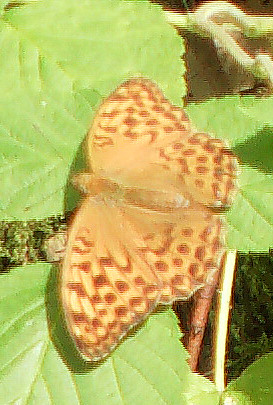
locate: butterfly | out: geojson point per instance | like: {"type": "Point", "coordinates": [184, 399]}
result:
{"type": "Point", "coordinates": [148, 230]}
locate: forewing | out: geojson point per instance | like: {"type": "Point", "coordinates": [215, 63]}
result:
{"type": "Point", "coordinates": [139, 139]}
{"type": "Point", "coordinates": [106, 285]}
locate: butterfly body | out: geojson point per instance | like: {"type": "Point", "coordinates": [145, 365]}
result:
{"type": "Point", "coordinates": [91, 185]}
{"type": "Point", "coordinates": [146, 231]}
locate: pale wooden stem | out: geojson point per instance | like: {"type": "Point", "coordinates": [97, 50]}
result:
{"type": "Point", "coordinates": [251, 25]}
{"type": "Point", "coordinates": [222, 319]}
{"type": "Point", "coordinates": [219, 20]}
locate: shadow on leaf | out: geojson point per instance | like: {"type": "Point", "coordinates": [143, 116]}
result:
{"type": "Point", "coordinates": [58, 331]}
{"type": "Point", "coordinates": [254, 151]}
{"type": "Point", "coordinates": [79, 163]}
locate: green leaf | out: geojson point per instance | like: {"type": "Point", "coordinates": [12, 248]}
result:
{"type": "Point", "coordinates": [246, 123]}
{"type": "Point", "coordinates": [256, 381]}
{"type": "Point", "coordinates": [41, 366]}
{"type": "Point", "coordinates": [26, 363]}
{"type": "Point", "coordinates": [235, 398]}
{"type": "Point", "coordinates": [201, 391]}
{"type": "Point", "coordinates": [58, 59]}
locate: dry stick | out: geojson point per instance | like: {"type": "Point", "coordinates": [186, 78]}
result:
{"type": "Point", "coordinates": [204, 21]}
{"type": "Point", "coordinates": [199, 318]}
{"type": "Point", "coordinates": [222, 318]}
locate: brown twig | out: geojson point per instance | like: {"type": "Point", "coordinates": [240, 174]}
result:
{"type": "Point", "coordinates": [199, 318]}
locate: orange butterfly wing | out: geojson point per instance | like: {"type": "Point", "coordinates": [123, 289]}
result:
{"type": "Point", "coordinates": [121, 261]}
{"type": "Point", "coordinates": [106, 285]}
{"type": "Point", "coordinates": [182, 247]}
{"type": "Point", "coordinates": [139, 139]}
{"type": "Point", "coordinates": [152, 237]}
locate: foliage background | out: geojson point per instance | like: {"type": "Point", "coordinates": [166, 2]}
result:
{"type": "Point", "coordinates": [22, 242]}
{"type": "Point", "coordinates": [251, 328]}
